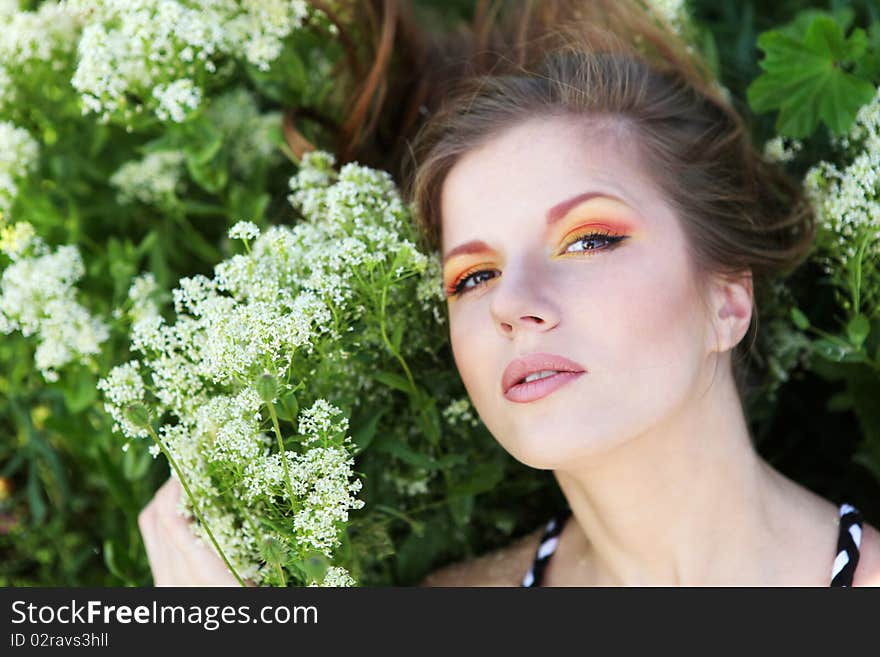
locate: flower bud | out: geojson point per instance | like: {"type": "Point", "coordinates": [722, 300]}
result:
{"type": "Point", "coordinates": [267, 387]}
{"type": "Point", "coordinates": [137, 414]}
{"type": "Point", "coordinates": [273, 551]}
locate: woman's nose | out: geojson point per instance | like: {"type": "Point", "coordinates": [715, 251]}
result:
{"type": "Point", "coordinates": [521, 301]}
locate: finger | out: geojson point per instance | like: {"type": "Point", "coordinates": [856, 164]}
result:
{"type": "Point", "coordinates": [147, 522]}
{"type": "Point", "coordinates": [169, 493]}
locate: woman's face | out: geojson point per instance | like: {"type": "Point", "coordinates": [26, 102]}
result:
{"type": "Point", "coordinates": [531, 279]}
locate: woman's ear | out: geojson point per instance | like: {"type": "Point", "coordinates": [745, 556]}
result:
{"type": "Point", "coordinates": [731, 301]}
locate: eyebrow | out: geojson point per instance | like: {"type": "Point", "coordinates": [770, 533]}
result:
{"type": "Point", "coordinates": [554, 214]}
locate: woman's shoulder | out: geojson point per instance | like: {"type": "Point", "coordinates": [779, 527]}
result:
{"type": "Point", "coordinates": [868, 568]}
{"type": "Point", "coordinates": [505, 566]}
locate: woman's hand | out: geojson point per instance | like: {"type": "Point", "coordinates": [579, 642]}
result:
{"type": "Point", "coordinates": [176, 557]}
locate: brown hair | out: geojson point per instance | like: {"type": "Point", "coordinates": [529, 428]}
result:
{"type": "Point", "coordinates": [609, 59]}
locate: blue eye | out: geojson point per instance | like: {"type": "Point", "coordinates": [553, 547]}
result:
{"type": "Point", "coordinates": [594, 237]}
{"type": "Point", "coordinates": [462, 284]}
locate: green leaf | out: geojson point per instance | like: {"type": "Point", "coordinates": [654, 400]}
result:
{"type": "Point", "coordinates": [804, 78]}
{"type": "Point", "coordinates": [829, 350]}
{"type": "Point", "coordinates": [247, 203]}
{"type": "Point", "coordinates": [393, 381]}
{"type": "Point", "coordinates": [461, 508]}
{"type": "Point", "coordinates": [406, 454]}
{"type": "Point", "coordinates": [857, 330]}
{"type": "Point", "coordinates": [80, 390]}
{"type": "Point", "coordinates": [203, 141]}
{"type": "Point", "coordinates": [397, 336]}
{"type": "Point", "coordinates": [210, 176]}
{"type": "Point", "coordinates": [12, 466]}
{"type": "Point", "coordinates": [313, 567]}
{"type": "Point", "coordinates": [839, 403]}
{"type": "Point", "coordinates": [35, 495]}
{"type": "Point", "coordinates": [117, 560]}
{"type": "Point", "coordinates": [481, 478]}
{"type": "Point", "coordinates": [366, 431]}
{"type": "Point", "coordinates": [135, 463]}
{"type": "Point", "coordinates": [800, 320]}
{"type": "Point", "coordinates": [148, 243]}
{"type": "Point", "coordinates": [389, 444]}
{"type": "Point", "coordinates": [287, 407]}
{"type": "Point", "coordinates": [868, 67]}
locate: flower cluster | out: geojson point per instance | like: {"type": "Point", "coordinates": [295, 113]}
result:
{"type": "Point", "coordinates": [335, 576]}
{"type": "Point", "coordinates": [124, 387]}
{"type": "Point", "coordinates": [157, 55]}
{"type": "Point", "coordinates": [674, 12]}
{"type": "Point", "coordinates": [460, 411]}
{"type": "Point", "coordinates": [782, 149]}
{"type": "Point", "coordinates": [18, 155]}
{"type": "Point", "coordinates": [252, 136]}
{"type": "Point", "coordinates": [846, 199]}
{"type": "Point", "coordinates": [153, 180]}
{"type": "Point", "coordinates": [259, 337]}
{"type": "Point", "coordinates": [29, 40]}
{"type": "Point", "coordinates": [38, 297]}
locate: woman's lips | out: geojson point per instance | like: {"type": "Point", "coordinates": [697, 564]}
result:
{"type": "Point", "coordinates": [521, 368]}
{"type": "Point", "coordinates": [530, 391]}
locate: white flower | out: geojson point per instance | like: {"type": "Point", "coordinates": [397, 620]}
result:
{"type": "Point", "coordinates": [286, 307]}
{"type": "Point", "coordinates": [153, 180]}
{"type": "Point", "coordinates": [782, 149]}
{"type": "Point", "coordinates": [460, 411]}
{"type": "Point", "coordinates": [322, 475]}
{"type": "Point", "coordinates": [320, 421]}
{"type": "Point", "coordinates": [161, 51]}
{"type": "Point", "coordinates": [40, 35]}
{"type": "Point", "coordinates": [244, 230]}
{"type": "Point", "coordinates": [846, 200]}
{"type": "Point", "coordinates": [252, 138]}
{"type": "Point", "coordinates": [122, 387]}
{"type": "Point", "coordinates": [37, 297]}
{"type": "Point", "coordinates": [176, 99]}
{"type": "Point", "coordinates": [674, 12]}
{"type": "Point", "coordinates": [336, 576]}
{"type": "Point", "coordinates": [18, 156]}
{"type": "Point", "coordinates": [19, 239]}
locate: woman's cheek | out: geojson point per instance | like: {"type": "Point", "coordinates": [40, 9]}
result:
{"type": "Point", "coordinates": [468, 350]}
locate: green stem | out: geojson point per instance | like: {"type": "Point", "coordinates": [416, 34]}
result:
{"type": "Point", "coordinates": [281, 573]}
{"type": "Point", "coordinates": [393, 351]}
{"type": "Point", "coordinates": [283, 453]}
{"type": "Point", "coordinates": [830, 336]}
{"type": "Point", "coordinates": [195, 506]}
{"type": "Point", "coordinates": [858, 286]}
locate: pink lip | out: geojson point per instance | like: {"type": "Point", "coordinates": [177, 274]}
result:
{"type": "Point", "coordinates": [520, 368]}
{"type": "Point", "coordinates": [527, 392]}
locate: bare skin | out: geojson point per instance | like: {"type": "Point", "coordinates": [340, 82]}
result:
{"type": "Point", "coordinates": [176, 556]}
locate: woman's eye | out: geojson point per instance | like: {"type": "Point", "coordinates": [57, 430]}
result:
{"type": "Point", "coordinates": [477, 278]}
{"type": "Point", "coordinates": [592, 238]}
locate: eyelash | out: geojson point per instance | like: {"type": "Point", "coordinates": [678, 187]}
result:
{"type": "Point", "coordinates": [457, 288]}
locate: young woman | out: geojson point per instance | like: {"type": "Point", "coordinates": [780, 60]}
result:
{"type": "Point", "coordinates": [603, 219]}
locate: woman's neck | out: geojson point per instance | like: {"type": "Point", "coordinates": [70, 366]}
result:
{"type": "Point", "coordinates": [692, 503]}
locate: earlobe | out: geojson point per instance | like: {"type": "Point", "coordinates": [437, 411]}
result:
{"type": "Point", "coordinates": [733, 299]}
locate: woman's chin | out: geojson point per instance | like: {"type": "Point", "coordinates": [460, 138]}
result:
{"type": "Point", "coordinates": [542, 453]}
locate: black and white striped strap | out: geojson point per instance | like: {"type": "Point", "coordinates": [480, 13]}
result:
{"type": "Point", "coordinates": [848, 541]}
{"type": "Point", "coordinates": [842, 573]}
{"type": "Point", "coordinates": [549, 541]}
